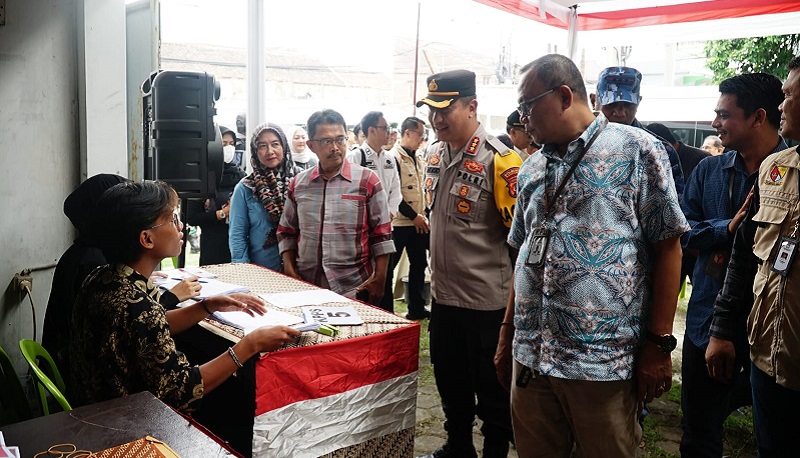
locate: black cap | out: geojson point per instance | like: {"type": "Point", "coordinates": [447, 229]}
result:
{"type": "Point", "coordinates": [514, 121]}
{"type": "Point", "coordinates": [445, 87]}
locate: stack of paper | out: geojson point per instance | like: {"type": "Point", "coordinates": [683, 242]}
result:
{"type": "Point", "coordinates": [209, 287]}
{"type": "Point", "coordinates": [186, 272]}
{"type": "Point", "coordinates": [248, 323]}
{"type": "Point", "coordinates": [300, 298]}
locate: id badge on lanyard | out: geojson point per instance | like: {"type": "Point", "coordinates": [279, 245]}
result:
{"type": "Point", "coordinates": [537, 247]}
{"type": "Point", "coordinates": [786, 252]}
{"type": "Point", "coordinates": [540, 235]}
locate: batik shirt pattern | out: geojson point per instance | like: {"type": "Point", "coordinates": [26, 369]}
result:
{"type": "Point", "coordinates": [122, 344]}
{"type": "Point", "coordinates": [581, 313]}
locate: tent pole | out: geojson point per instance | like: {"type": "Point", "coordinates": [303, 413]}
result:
{"type": "Point", "coordinates": [416, 63]}
{"type": "Point", "coordinates": [572, 33]}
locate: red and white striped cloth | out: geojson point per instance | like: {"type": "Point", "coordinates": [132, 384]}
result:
{"type": "Point", "coordinates": [317, 399]}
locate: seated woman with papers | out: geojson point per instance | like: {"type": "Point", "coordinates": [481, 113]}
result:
{"type": "Point", "coordinates": [121, 336]}
{"type": "Point", "coordinates": [78, 262]}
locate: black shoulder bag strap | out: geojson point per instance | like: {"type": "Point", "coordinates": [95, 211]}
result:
{"type": "Point", "coordinates": [363, 157]}
{"type": "Point", "coordinates": [548, 204]}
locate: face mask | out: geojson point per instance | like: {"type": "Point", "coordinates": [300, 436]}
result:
{"type": "Point", "coordinates": [228, 153]}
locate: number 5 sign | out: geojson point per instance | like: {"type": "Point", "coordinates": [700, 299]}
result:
{"type": "Point", "coordinates": [332, 315]}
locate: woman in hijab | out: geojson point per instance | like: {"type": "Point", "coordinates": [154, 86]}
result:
{"type": "Point", "coordinates": [78, 262]}
{"type": "Point", "coordinates": [257, 202]}
{"type": "Point", "coordinates": [303, 157]}
{"type": "Point", "coordinates": [211, 215]}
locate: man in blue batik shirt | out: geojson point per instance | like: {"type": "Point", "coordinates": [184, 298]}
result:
{"type": "Point", "coordinates": [596, 278]}
{"type": "Point", "coordinates": [715, 203]}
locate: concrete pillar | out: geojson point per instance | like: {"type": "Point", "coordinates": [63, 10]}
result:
{"type": "Point", "coordinates": [101, 87]}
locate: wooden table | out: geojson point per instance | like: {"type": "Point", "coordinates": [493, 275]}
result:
{"type": "Point", "coordinates": [107, 424]}
{"type": "Point", "coordinates": [345, 396]}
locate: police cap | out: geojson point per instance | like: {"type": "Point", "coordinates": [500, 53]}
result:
{"type": "Point", "coordinates": [445, 87]}
{"type": "Point", "coordinates": [513, 120]}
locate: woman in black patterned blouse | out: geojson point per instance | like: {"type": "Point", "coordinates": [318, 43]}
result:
{"type": "Point", "coordinates": [122, 338]}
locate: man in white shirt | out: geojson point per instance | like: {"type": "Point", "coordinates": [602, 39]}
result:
{"type": "Point", "coordinates": [372, 155]}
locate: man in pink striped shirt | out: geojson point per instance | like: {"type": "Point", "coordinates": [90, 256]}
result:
{"type": "Point", "coordinates": [335, 231]}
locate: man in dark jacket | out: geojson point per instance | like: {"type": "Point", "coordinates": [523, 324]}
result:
{"type": "Point", "coordinates": [690, 157]}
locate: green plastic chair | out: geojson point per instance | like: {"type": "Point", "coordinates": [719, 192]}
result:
{"type": "Point", "coordinates": [35, 355]}
{"type": "Point", "coordinates": [14, 405]}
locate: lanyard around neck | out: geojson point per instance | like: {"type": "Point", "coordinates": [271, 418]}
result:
{"type": "Point", "coordinates": [548, 204]}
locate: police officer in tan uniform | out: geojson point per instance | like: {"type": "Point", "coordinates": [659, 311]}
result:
{"type": "Point", "coordinates": [470, 188]}
{"type": "Point", "coordinates": [763, 279]}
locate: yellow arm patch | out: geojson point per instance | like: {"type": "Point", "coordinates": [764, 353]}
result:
{"type": "Point", "coordinates": [506, 168]}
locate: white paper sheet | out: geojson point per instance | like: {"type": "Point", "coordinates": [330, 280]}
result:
{"type": "Point", "coordinates": [248, 323]}
{"type": "Point", "coordinates": [301, 298]}
{"type": "Point", "coordinates": [187, 272]}
{"type": "Point", "coordinates": [209, 287]}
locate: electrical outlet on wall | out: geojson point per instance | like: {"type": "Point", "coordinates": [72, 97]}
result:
{"type": "Point", "coordinates": [21, 281]}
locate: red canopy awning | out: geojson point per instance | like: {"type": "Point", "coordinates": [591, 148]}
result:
{"type": "Point", "coordinates": [648, 16]}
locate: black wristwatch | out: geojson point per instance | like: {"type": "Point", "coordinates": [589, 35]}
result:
{"type": "Point", "coordinates": [665, 343]}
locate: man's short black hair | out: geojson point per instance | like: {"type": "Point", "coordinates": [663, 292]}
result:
{"type": "Point", "coordinates": [754, 91]}
{"type": "Point", "coordinates": [794, 63]}
{"type": "Point", "coordinates": [357, 130]}
{"type": "Point", "coordinates": [465, 100]}
{"type": "Point", "coordinates": [506, 140]}
{"type": "Point", "coordinates": [660, 130]}
{"type": "Point", "coordinates": [370, 119]}
{"type": "Point", "coordinates": [124, 211]}
{"type": "Point", "coordinates": [326, 116]}
{"type": "Point", "coordinates": [412, 122]}
{"type": "Point", "coordinates": [555, 70]}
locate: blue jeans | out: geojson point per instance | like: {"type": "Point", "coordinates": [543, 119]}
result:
{"type": "Point", "coordinates": [775, 411]}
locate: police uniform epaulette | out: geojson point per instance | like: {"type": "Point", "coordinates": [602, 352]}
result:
{"type": "Point", "coordinates": [498, 146]}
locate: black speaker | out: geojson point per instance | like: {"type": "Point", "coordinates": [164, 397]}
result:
{"type": "Point", "coordinates": [182, 144]}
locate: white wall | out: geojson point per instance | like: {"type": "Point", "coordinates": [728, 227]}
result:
{"type": "Point", "coordinates": [38, 153]}
{"type": "Point", "coordinates": [62, 90]}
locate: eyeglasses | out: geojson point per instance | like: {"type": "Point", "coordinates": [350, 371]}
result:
{"type": "Point", "coordinates": [264, 146]}
{"type": "Point", "coordinates": [422, 135]}
{"type": "Point", "coordinates": [385, 128]}
{"type": "Point", "coordinates": [176, 220]}
{"type": "Point", "coordinates": [327, 142]}
{"type": "Point", "coordinates": [524, 108]}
